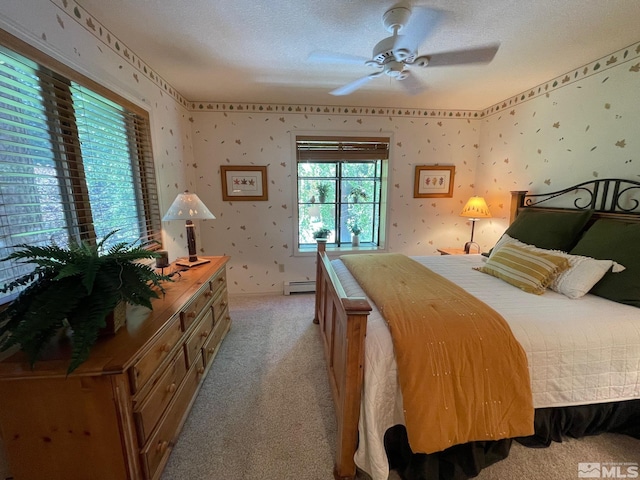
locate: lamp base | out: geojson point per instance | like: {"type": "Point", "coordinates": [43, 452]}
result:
{"type": "Point", "coordinates": [186, 263]}
{"type": "Point", "coordinates": [468, 245]}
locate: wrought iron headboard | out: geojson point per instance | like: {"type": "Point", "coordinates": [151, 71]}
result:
{"type": "Point", "coordinates": [604, 196]}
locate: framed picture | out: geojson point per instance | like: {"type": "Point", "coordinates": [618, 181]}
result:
{"type": "Point", "coordinates": [433, 181]}
{"type": "Point", "coordinates": [244, 182]}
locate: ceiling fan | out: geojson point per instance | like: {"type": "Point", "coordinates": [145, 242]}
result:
{"type": "Point", "coordinates": [396, 56]}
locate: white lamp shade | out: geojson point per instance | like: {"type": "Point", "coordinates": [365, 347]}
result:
{"type": "Point", "coordinates": [476, 207]}
{"type": "Point", "coordinates": [187, 206]}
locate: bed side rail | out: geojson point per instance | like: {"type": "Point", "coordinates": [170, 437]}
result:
{"type": "Point", "coordinates": [343, 325]}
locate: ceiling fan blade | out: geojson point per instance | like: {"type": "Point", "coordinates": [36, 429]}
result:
{"type": "Point", "coordinates": [322, 56]}
{"type": "Point", "coordinates": [356, 84]}
{"type": "Point", "coordinates": [459, 57]}
{"type": "Point", "coordinates": [412, 84]}
{"type": "Point", "coordinates": [421, 23]}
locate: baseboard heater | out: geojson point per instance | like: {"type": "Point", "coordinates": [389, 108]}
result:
{"type": "Point", "coordinates": [299, 287]}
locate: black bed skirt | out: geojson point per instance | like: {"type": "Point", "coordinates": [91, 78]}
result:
{"type": "Point", "coordinates": [465, 461]}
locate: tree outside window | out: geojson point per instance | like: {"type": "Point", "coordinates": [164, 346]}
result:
{"type": "Point", "coordinates": [336, 192]}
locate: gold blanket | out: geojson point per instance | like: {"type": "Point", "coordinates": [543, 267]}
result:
{"type": "Point", "coordinates": [463, 375]}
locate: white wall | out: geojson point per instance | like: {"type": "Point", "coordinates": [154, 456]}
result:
{"type": "Point", "coordinates": [578, 127]}
{"type": "Point", "coordinates": [260, 235]}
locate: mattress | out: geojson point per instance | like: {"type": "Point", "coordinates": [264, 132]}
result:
{"type": "Point", "coordinates": [579, 352]}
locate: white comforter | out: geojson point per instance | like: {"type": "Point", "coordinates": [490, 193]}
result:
{"type": "Point", "coordinates": [579, 351]}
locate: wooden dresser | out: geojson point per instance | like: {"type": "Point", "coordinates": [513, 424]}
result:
{"type": "Point", "coordinates": [119, 414]}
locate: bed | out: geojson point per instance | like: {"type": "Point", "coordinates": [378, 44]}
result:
{"type": "Point", "coordinates": [583, 353]}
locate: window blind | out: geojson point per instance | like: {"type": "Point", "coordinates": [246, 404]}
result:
{"type": "Point", "coordinates": [341, 148]}
{"type": "Point", "coordinates": [74, 165]}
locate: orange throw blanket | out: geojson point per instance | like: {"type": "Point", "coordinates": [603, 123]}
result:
{"type": "Point", "coordinates": [463, 375]}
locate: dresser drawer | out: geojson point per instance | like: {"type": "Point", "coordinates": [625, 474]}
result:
{"type": "Point", "coordinates": [161, 348]}
{"type": "Point", "coordinates": [212, 343]}
{"type": "Point", "coordinates": [219, 282]}
{"type": "Point", "coordinates": [220, 305]}
{"type": "Point", "coordinates": [201, 300]}
{"type": "Point", "coordinates": [148, 411]}
{"type": "Point", "coordinates": [159, 446]}
{"type": "Point", "coordinates": [199, 336]}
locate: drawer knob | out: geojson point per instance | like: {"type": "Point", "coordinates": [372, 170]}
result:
{"type": "Point", "coordinates": [162, 446]}
{"type": "Point", "coordinates": [205, 334]}
{"type": "Point", "coordinates": [165, 348]}
{"type": "Point", "coordinates": [208, 293]}
{"type": "Point", "coordinates": [200, 370]}
{"type": "Point", "coordinates": [171, 388]}
{"type": "Point", "coordinates": [191, 314]}
{"type": "Point", "coordinates": [223, 304]}
{"type": "Point", "coordinates": [211, 350]}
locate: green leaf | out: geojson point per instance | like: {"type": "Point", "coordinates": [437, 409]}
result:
{"type": "Point", "coordinates": [78, 285]}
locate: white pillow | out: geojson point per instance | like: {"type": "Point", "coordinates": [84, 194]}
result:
{"type": "Point", "coordinates": [582, 275]}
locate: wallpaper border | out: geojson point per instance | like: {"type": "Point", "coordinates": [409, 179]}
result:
{"type": "Point", "coordinates": [602, 64]}
{"type": "Point", "coordinates": [332, 110]}
{"type": "Point", "coordinates": [85, 19]}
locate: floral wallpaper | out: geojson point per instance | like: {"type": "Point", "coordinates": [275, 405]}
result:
{"type": "Point", "coordinates": [565, 131]}
{"type": "Point", "coordinates": [578, 124]}
{"type": "Point", "coordinates": [585, 129]}
{"type": "Point", "coordinates": [259, 236]}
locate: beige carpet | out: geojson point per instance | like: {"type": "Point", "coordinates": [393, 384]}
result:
{"type": "Point", "coordinates": [265, 410]}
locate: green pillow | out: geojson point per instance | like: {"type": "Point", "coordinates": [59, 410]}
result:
{"type": "Point", "coordinates": [549, 230]}
{"type": "Point", "coordinates": [618, 241]}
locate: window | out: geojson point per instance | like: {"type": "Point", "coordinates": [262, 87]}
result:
{"type": "Point", "coordinates": [75, 164]}
{"type": "Point", "coordinates": [341, 182]}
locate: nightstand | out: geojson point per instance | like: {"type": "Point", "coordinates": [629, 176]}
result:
{"type": "Point", "coordinates": [451, 251]}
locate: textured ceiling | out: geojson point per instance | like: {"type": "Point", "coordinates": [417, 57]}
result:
{"type": "Point", "coordinates": [256, 51]}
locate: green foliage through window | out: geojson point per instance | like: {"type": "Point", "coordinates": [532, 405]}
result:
{"type": "Point", "coordinates": [351, 195]}
{"type": "Point", "coordinates": [74, 164]}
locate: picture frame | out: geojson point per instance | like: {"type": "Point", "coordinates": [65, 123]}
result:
{"type": "Point", "coordinates": [433, 181]}
{"type": "Point", "coordinates": [244, 182]}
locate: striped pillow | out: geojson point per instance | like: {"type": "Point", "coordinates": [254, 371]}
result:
{"type": "Point", "coordinates": [528, 270]}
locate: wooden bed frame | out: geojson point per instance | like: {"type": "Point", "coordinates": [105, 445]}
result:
{"type": "Point", "coordinates": [343, 319]}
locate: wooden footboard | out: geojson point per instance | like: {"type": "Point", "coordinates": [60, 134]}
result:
{"type": "Point", "coordinates": [343, 325]}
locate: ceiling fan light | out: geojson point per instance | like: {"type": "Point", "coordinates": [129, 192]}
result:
{"type": "Point", "coordinates": [394, 69]}
{"type": "Point", "coordinates": [422, 61]}
{"type": "Point", "coordinates": [395, 56]}
{"type": "Point", "coordinates": [402, 54]}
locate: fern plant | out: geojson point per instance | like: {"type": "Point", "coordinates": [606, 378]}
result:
{"type": "Point", "coordinates": [354, 227]}
{"type": "Point", "coordinates": [357, 193]}
{"type": "Point", "coordinates": [75, 287]}
{"type": "Point", "coordinates": [322, 232]}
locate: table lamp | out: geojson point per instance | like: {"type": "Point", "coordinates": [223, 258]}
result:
{"type": "Point", "coordinates": [187, 206]}
{"type": "Point", "coordinates": [475, 209]}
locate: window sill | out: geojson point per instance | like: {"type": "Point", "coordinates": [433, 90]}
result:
{"type": "Point", "coordinates": [310, 250]}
